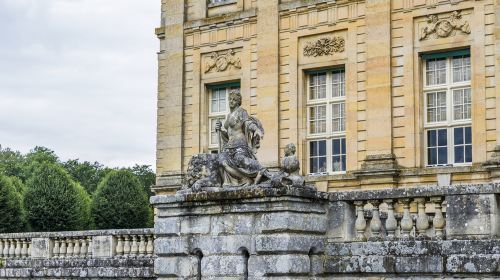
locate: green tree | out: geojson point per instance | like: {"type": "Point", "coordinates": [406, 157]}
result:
{"type": "Point", "coordinates": [87, 174]}
{"type": "Point", "coordinates": [12, 215]}
{"type": "Point", "coordinates": [54, 202]}
{"type": "Point", "coordinates": [12, 163]}
{"type": "Point", "coordinates": [120, 202]}
{"type": "Point", "coordinates": [145, 175]}
{"type": "Point", "coordinates": [19, 186]}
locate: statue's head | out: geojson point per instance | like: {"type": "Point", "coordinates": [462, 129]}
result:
{"type": "Point", "coordinates": [234, 98]}
{"type": "Point", "coordinates": [290, 150]}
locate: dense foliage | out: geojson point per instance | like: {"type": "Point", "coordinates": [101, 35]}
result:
{"type": "Point", "coordinates": [120, 202]}
{"type": "Point", "coordinates": [12, 216]}
{"type": "Point", "coordinates": [57, 195]}
{"type": "Point", "coordinates": [54, 202]}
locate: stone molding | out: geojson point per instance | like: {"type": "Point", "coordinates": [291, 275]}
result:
{"type": "Point", "coordinates": [324, 46]}
{"type": "Point", "coordinates": [445, 27]}
{"type": "Point", "coordinates": [221, 61]}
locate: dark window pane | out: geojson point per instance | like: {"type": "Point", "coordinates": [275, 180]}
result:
{"type": "Point", "coordinates": [468, 135]}
{"type": "Point", "coordinates": [432, 156]}
{"type": "Point", "coordinates": [442, 155]}
{"type": "Point", "coordinates": [337, 163]}
{"type": "Point", "coordinates": [322, 148]}
{"type": "Point", "coordinates": [442, 137]}
{"type": "Point", "coordinates": [458, 133]}
{"type": "Point", "coordinates": [343, 147]}
{"type": "Point", "coordinates": [431, 138]}
{"type": "Point", "coordinates": [343, 163]}
{"type": "Point", "coordinates": [459, 154]}
{"type": "Point", "coordinates": [313, 148]}
{"type": "Point", "coordinates": [313, 166]}
{"type": "Point", "coordinates": [322, 164]}
{"type": "Point", "coordinates": [468, 153]}
{"type": "Point", "coordinates": [336, 146]}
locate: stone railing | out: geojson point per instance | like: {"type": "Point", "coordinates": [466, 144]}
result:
{"type": "Point", "coordinates": [78, 244]}
{"type": "Point", "coordinates": [423, 213]}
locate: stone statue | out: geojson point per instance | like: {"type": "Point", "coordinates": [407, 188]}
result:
{"type": "Point", "coordinates": [239, 142]}
{"type": "Point", "coordinates": [236, 165]}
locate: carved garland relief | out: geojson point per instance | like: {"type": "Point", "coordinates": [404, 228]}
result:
{"type": "Point", "coordinates": [324, 46]}
{"type": "Point", "coordinates": [445, 27]}
{"type": "Point", "coordinates": [221, 61]}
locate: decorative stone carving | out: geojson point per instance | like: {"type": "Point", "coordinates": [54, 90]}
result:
{"type": "Point", "coordinates": [445, 27]}
{"type": "Point", "coordinates": [220, 61]}
{"type": "Point", "coordinates": [324, 46]}
{"type": "Point", "coordinates": [236, 166]}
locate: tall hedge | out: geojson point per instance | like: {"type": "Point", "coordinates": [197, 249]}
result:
{"type": "Point", "coordinates": [54, 202]}
{"type": "Point", "coordinates": [12, 215]}
{"type": "Point", "coordinates": [120, 202]}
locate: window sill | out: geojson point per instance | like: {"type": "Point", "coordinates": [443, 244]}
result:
{"type": "Point", "coordinates": [229, 2]}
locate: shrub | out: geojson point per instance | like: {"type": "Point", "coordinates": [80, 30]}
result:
{"type": "Point", "coordinates": [120, 202]}
{"type": "Point", "coordinates": [54, 202]}
{"type": "Point", "coordinates": [12, 215]}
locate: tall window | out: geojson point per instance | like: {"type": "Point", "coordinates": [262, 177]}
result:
{"type": "Point", "coordinates": [219, 108]}
{"type": "Point", "coordinates": [447, 99]}
{"type": "Point", "coordinates": [326, 121]}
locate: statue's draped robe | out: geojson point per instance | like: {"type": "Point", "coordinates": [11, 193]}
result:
{"type": "Point", "coordinates": [239, 166]}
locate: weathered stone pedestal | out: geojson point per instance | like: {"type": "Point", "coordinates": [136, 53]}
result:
{"type": "Point", "coordinates": [297, 233]}
{"type": "Point", "coordinates": [246, 234]}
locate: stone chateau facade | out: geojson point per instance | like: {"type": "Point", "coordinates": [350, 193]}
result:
{"type": "Point", "coordinates": [373, 93]}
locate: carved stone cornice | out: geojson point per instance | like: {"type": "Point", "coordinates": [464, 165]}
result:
{"type": "Point", "coordinates": [444, 27]}
{"type": "Point", "coordinates": [324, 46]}
{"type": "Point", "coordinates": [221, 61]}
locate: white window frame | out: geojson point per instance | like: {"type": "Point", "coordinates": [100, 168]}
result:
{"type": "Point", "coordinates": [450, 123]}
{"type": "Point", "coordinates": [329, 134]}
{"type": "Point", "coordinates": [218, 115]}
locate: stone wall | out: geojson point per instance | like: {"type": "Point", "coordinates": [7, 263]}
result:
{"type": "Point", "coordinates": [287, 233]}
{"type": "Point", "coordinates": [103, 254]}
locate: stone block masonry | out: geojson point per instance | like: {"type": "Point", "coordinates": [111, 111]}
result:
{"type": "Point", "coordinates": [297, 233]}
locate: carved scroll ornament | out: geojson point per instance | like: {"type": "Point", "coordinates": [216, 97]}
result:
{"type": "Point", "coordinates": [445, 27]}
{"type": "Point", "coordinates": [220, 61]}
{"type": "Point", "coordinates": [324, 46]}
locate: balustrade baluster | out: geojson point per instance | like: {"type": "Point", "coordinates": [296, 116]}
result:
{"type": "Point", "coordinates": [119, 245]}
{"type": "Point", "coordinates": [76, 248]}
{"type": "Point", "coordinates": [6, 248]}
{"type": "Point", "coordinates": [134, 248]}
{"type": "Point", "coordinates": [24, 248]}
{"type": "Point", "coordinates": [12, 248]}
{"type": "Point", "coordinates": [438, 221]}
{"type": "Point", "coordinates": [55, 250]}
{"type": "Point", "coordinates": [376, 223]}
{"type": "Point", "coordinates": [360, 223]}
{"type": "Point", "coordinates": [89, 247]}
{"type": "Point", "coordinates": [69, 249]}
{"type": "Point", "coordinates": [29, 248]}
{"type": "Point", "coordinates": [391, 224]}
{"type": "Point", "coordinates": [406, 221]}
{"type": "Point", "coordinates": [63, 248]}
{"type": "Point", "coordinates": [83, 249]}
{"type": "Point", "coordinates": [17, 252]}
{"type": "Point", "coordinates": [149, 245]}
{"type": "Point", "coordinates": [422, 219]}
{"type": "Point", "coordinates": [126, 246]}
{"type": "Point", "coordinates": [142, 246]}
{"type": "Point", "coordinates": [1, 248]}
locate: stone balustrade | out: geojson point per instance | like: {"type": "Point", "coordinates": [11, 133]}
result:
{"type": "Point", "coordinates": [80, 244]}
{"type": "Point", "coordinates": [392, 219]}
{"type": "Point", "coordinates": [423, 213]}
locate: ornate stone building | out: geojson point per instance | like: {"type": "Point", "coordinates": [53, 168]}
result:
{"type": "Point", "coordinates": [373, 93]}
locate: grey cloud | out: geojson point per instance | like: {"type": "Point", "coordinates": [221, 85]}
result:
{"type": "Point", "coordinates": [79, 76]}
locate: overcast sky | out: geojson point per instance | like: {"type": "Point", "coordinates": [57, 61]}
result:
{"type": "Point", "coordinates": [79, 77]}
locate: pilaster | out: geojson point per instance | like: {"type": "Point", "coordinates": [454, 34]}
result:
{"type": "Point", "coordinates": [169, 156]}
{"type": "Point", "coordinates": [268, 79]}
